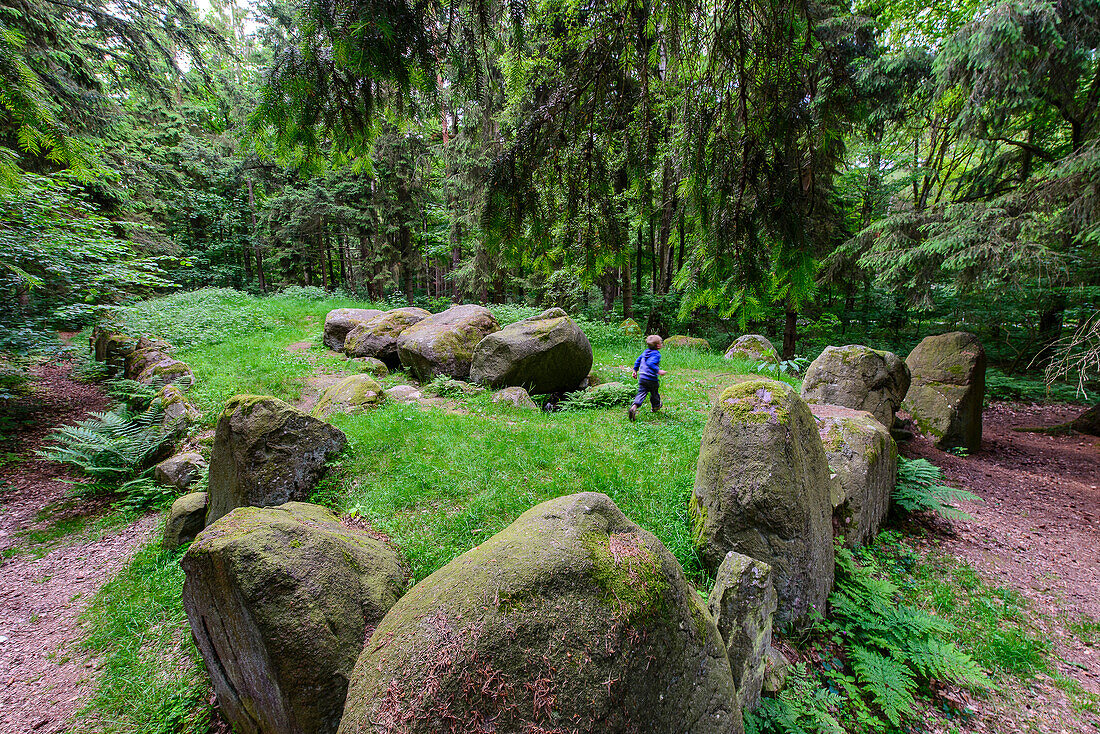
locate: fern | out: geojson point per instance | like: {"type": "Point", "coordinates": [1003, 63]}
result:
{"type": "Point", "coordinates": [920, 488]}
{"type": "Point", "coordinates": [802, 707]}
{"type": "Point", "coordinates": [607, 395]}
{"type": "Point", "coordinates": [889, 682]}
{"type": "Point", "coordinates": [111, 447]}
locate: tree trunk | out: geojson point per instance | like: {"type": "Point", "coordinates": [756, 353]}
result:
{"type": "Point", "coordinates": [790, 333]}
{"type": "Point", "coordinates": [256, 240]}
{"type": "Point", "coordinates": [628, 296]}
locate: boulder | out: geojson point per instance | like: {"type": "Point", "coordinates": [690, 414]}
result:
{"type": "Point", "coordinates": [1088, 422]}
{"type": "Point", "coordinates": [742, 603]}
{"type": "Point", "coordinates": [266, 453]}
{"type": "Point", "coordinates": [860, 378]}
{"type": "Point", "coordinates": [377, 337]}
{"type": "Point", "coordinates": [776, 667]}
{"type": "Point", "coordinates": [371, 366]}
{"type": "Point", "coordinates": [279, 601]}
{"type": "Point", "coordinates": [948, 389]}
{"type": "Point", "coordinates": [342, 320]}
{"type": "Point", "coordinates": [443, 344]}
{"type": "Point", "coordinates": [630, 327]}
{"type": "Point", "coordinates": [354, 393]}
{"type": "Point", "coordinates": [864, 461]}
{"type": "Point", "coordinates": [178, 414]}
{"type": "Point", "coordinates": [752, 348]}
{"type": "Point", "coordinates": [402, 394]}
{"type": "Point", "coordinates": [185, 520]}
{"type": "Point", "coordinates": [546, 353]}
{"type": "Point", "coordinates": [762, 489]}
{"type": "Point", "coordinates": [142, 361]}
{"type": "Point", "coordinates": [111, 349]}
{"type": "Point", "coordinates": [679, 341]}
{"type": "Point", "coordinates": [180, 470]}
{"type": "Point", "coordinates": [517, 397]}
{"type": "Point", "coordinates": [571, 619]}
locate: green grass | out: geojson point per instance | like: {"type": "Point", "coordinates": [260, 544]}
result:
{"type": "Point", "coordinates": [49, 531]}
{"type": "Point", "coordinates": [151, 681]}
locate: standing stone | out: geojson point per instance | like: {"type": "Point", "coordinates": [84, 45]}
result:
{"type": "Point", "coordinates": [679, 341]}
{"type": "Point", "coordinates": [111, 349]}
{"type": "Point", "coordinates": [864, 461]}
{"type": "Point", "coordinates": [279, 601]}
{"type": "Point", "coordinates": [753, 348]}
{"type": "Point", "coordinates": [266, 453]}
{"type": "Point", "coordinates": [180, 471]}
{"type": "Point", "coordinates": [354, 393]}
{"type": "Point", "coordinates": [1088, 422]}
{"type": "Point", "coordinates": [177, 413]}
{"type": "Point", "coordinates": [342, 320]}
{"type": "Point", "coordinates": [762, 489]}
{"type": "Point", "coordinates": [571, 619]}
{"type": "Point", "coordinates": [948, 389]}
{"type": "Point", "coordinates": [860, 378]}
{"type": "Point", "coordinates": [377, 337]}
{"type": "Point", "coordinates": [443, 344]}
{"type": "Point", "coordinates": [545, 354]}
{"type": "Point", "coordinates": [630, 327]}
{"type": "Point", "coordinates": [186, 519]}
{"type": "Point", "coordinates": [742, 603]}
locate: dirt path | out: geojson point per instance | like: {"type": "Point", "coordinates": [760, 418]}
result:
{"type": "Point", "coordinates": [1036, 531]}
{"type": "Point", "coordinates": [46, 577]}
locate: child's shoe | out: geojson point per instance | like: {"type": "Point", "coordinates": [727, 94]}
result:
{"type": "Point", "coordinates": [632, 412]}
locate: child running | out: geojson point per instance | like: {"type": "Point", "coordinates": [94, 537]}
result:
{"type": "Point", "coordinates": [647, 368]}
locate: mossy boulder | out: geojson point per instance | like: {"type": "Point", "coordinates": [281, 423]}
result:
{"type": "Point", "coordinates": [111, 349]}
{"type": "Point", "coordinates": [864, 462]}
{"type": "Point", "coordinates": [342, 320]}
{"type": "Point", "coordinates": [177, 413]}
{"type": "Point", "coordinates": [948, 389]}
{"type": "Point", "coordinates": [354, 393]}
{"type": "Point", "coordinates": [1088, 422]}
{"type": "Point", "coordinates": [630, 327]}
{"type": "Point", "coordinates": [570, 619]}
{"type": "Point", "coordinates": [517, 397]}
{"type": "Point", "coordinates": [371, 366]}
{"type": "Point", "coordinates": [679, 341]}
{"type": "Point", "coordinates": [742, 603]}
{"type": "Point", "coordinates": [546, 353]}
{"type": "Point", "coordinates": [185, 520]}
{"type": "Point", "coordinates": [762, 489]}
{"type": "Point", "coordinates": [377, 337]}
{"type": "Point", "coordinates": [860, 378]}
{"type": "Point", "coordinates": [180, 471]}
{"type": "Point", "coordinates": [265, 453]}
{"type": "Point", "coordinates": [279, 601]}
{"type": "Point", "coordinates": [402, 394]}
{"type": "Point", "coordinates": [443, 344]}
{"type": "Point", "coordinates": [753, 348]}
{"type": "Point", "coordinates": [141, 361]}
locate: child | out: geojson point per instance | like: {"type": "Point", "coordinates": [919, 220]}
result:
{"type": "Point", "coordinates": [647, 370]}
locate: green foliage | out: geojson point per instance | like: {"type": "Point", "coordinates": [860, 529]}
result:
{"type": "Point", "coordinates": [152, 680]}
{"type": "Point", "coordinates": [784, 368]}
{"type": "Point", "coordinates": [193, 318]}
{"type": "Point", "coordinates": [446, 387]}
{"type": "Point", "coordinates": [802, 707]}
{"type": "Point", "coordinates": [110, 447]}
{"type": "Point", "coordinates": [1002, 386]}
{"type": "Point", "coordinates": [608, 395]}
{"type": "Point", "coordinates": [920, 488]}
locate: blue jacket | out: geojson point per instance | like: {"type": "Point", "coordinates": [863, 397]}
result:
{"type": "Point", "coordinates": [647, 365]}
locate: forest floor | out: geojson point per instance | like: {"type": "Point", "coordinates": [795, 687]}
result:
{"type": "Point", "coordinates": [1037, 532]}
{"type": "Point", "coordinates": [56, 552]}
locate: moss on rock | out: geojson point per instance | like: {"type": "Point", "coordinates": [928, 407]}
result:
{"type": "Point", "coordinates": [753, 348]}
{"type": "Point", "coordinates": [679, 341]}
{"type": "Point", "coordinates": [357, 392]}
{"type": "Point", "coordinates": [948, 390]}
{"type": "Point", "coordinates": [546, 353]}
{"type": "Point", "coordinates": [860, 378]}
{"type": "Point", "coordinates": [443, 344]}
{"type": "Point", "coordinates": [377, 337]}
{"type": "Point", "coordinates": [340, 321]}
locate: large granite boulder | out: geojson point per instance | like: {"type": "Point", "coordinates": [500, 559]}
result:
{"type": "Point", "coordinates": [279, 601]}
{"type": "Point", "coordinates": [762, 489]}
{"type": "Point", "coordinates": [443, 344]}
{"type": "Point", "coordinates": [377, 337]}
{"type": "Point", "coordinates": [179, 471]}
{"type": "Point", "coordinates": [267, 452]}
{"type": "Point", "coordinates": [571, 619]}
{"type": "Point", "coordinates": [111, 348]}
{"type": "Point", "coordinates": [864, 462]}
{"type": "Point", "coordinates": [753, 348]}
{"type": "Point", "coordinates": [679, 341]}
{"type": "Point", "coordinates": [354, 393]}
{"type": "Point", "coordinates": [858, 377]}
{"type": "Point", "coordinates": [185, 520]}
{"type": "Point", "coordinates": [342, 320]}
{"type": "Point", "coordinates": [948, 389]}
{"type": "Point", "coordinates": [177, 412]}
{"type": "Point", "coordinates": [742, 603]}
{"type": "Point", "coordinates": [546, 353]}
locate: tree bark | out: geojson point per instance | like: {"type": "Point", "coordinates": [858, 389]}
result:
{"type": "Point", "coordinates": [790, 333]}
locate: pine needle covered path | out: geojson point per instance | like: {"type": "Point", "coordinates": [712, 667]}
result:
{"type": "Point", "coordinates": [55, 554]}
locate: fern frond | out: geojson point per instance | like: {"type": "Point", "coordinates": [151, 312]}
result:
{"type": "Point", "coordinates": [889, 682]}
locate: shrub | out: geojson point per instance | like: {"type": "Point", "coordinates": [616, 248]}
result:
{"type": "Point", "coordinates": [920, 488]}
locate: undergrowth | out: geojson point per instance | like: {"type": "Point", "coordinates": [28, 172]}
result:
{"type": "Point", "coordinates": [920, 487]}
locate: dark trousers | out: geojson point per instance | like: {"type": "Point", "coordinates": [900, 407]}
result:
{"type": "Point", "coordinates": [645, 387]}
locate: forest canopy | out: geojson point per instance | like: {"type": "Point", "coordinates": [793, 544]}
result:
{"type": "Point", "coordinates": [802, 169]}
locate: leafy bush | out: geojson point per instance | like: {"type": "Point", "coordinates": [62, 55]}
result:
{"type": "Point", "coordinates": [305, 293]}
{"type": "Point", "coordinates": [786, 368]}
{"type": "Point", "coordinates": [111, 447]}
{"type": "Point", "coordinates": [608, 395]}
{"type": "Point", "coordinates": [920, 488]}
{"type": "Point", "coordinates": [446, 387]}
{"type": "Point", "coordinates": [802, 707]}
{"type": "Point", "coordinates": [192, 318]}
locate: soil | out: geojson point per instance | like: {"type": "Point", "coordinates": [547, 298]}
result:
{"type": "Point", "coordinates": [48, 581]}
{"type": "Point", "coordinates": [1036, 531]}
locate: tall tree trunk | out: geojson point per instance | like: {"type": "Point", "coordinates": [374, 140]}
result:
{"type": "Point", "coordinates": [638, 263]}
{"type": "Point", "coordinates": [790, 333]}
{"type": "Point", "coordinates": [628, 295]}
{"type": "Point", "coordinates": [256, 240]}
{"type": "Point", "coordinates": [323, 251]}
